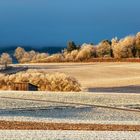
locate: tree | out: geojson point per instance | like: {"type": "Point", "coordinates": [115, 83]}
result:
{"type": "Point", "coordinates": [25, 58]}
{"type": "Point", "coordinates": [19, 53]}
{"type": "Point", "coordinates": [137, 45]}
{"type": "Point", "coordinates": [5, 59]}
{"type": "Point", "coordinates": [32, 53]}
{"type": "Point", "coordinates": [71, 46]}
{"type": "Point", "coordinates": [104, 49]}
{"type": "Point", "coordinates": [124, 48]}
{"type": "Point", "coordinates": [86, 52]}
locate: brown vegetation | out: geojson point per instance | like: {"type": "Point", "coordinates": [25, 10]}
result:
{"type": "Point", "coordinates": [44, 81]}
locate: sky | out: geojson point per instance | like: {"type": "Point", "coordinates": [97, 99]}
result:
{"type": "Point", "coordinates": [54, 22]}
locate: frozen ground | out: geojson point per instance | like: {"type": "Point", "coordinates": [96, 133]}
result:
{"type": "Point", "coordinates": [42, 110]}
{"type": "Point", "coordinates": [69, 135]}
{"type": "Point", "coordinates": [108, 99]}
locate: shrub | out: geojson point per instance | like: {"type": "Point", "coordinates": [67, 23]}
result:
{"type": "Point", "coordinates": [45, 82]}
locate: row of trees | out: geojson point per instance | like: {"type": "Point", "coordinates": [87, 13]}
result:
{"type": "Point", "coordinates": [86, 51]}
{"type": "Point", "coordinates": [23, 56]}
{"type": "Point", "coordinates": [128, 47]}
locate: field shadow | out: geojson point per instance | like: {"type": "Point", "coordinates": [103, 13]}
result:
{"type": "Point", "coordinates": [52, 112]}
{"type": "Point", "coordinates": [66, 66]}
{"type": "Point", "coordinates": [13, 70]}
{"type": "Point", "coordinates": [123, 89]}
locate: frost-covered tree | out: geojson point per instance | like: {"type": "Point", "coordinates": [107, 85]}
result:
{"type": "Point", "coordinates": [5, 59]}
{"type": "Point", "coordinates": [19, 52]}
{"type": "Point", "coordinates": [104, 49]}
{"type": "Point", "coordinates": [86, 52]}
{"type": "Point", "coordinates": [26, 58]}
{"type": "Point", "coordinates": [124, 48]}
{"type": "Point", "coordinates": [137, 45]}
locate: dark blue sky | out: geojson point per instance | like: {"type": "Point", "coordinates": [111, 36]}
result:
{"type": "Point", "coordinates": [54, 22]}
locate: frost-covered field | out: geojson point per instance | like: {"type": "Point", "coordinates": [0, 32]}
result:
{"type": "Point", "coordinates": [34, 106]}
{"type": "Point", "coordinates": [69, 135]}
{"type": "Point", "coordinates": [109, 99]}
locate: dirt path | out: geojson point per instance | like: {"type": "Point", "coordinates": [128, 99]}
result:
{"type": "Point", "coordinates": [15, 125]}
